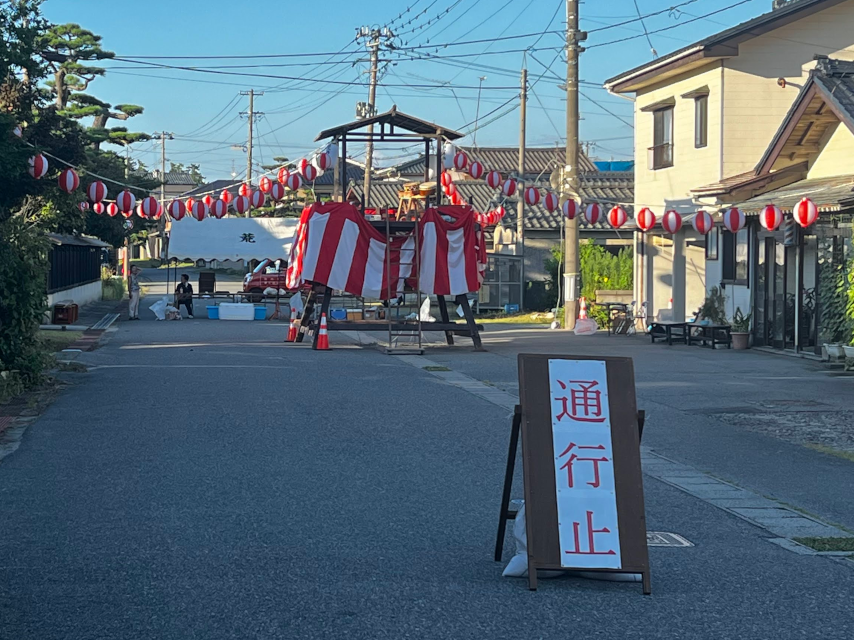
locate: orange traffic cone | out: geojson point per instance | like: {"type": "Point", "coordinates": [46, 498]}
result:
{"type": "Point", "coordinates": [323, 336]}
{"type": "Point", "coordinates": [292, 329]}
{"type": "Point", "coordinates": [582, 309]}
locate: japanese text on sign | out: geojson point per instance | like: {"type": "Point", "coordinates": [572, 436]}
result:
{"type": "Point", "coordinates": [584, 465]}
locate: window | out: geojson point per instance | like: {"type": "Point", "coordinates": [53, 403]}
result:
{"type": "Point", "coordinates": [735, 257]}
{"type": "Point", "coordinates": [712, 243]}
{"type": "Point", "coordinates": [662, 150]}
{"type": "Point", "coordinates": [701, 121]}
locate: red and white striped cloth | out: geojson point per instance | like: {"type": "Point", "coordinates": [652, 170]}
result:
{"type": "Point", "coordinates": [335, 246]}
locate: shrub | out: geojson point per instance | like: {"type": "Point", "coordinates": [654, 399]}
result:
{"type": "Point", "coordinates": [112, 287]}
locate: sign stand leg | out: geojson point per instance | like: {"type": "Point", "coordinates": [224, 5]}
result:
{"type": "Point", "coordinates": [305, 322]}
{"type": "Point", "coordinates": [443, 312]}
{"type": "Point", "coordinates": [463, 301]}
{"type": "Point", "coordinates": [506, 514]}
{"type": "Point", "coordinates": [324, 309]}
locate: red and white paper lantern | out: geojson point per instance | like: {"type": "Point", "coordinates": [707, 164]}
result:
{"type": "Point", "coordinates": [302, 164]}
{"type": "Point", "coordinates": [139, 212]}
{"type": "Point", "coordinates": [570, 209]}
{"type": "Point", "coordinates": [277, 191]}
{"type": "Point", "coordinates": [592, 213]}
{"type": "Point", "coordinates": [456, 199]}
{"type": "Point", "coordinates": [493, 179]}
{"type": "Point", "coordinates": [532, 196]}
{"type": "Point", "coordinates": [310, 173]}
{"type": "Point", "coordinates": [461, 161]}
{"type": "Point", "coordinates": [127, 214]}
{"type": "Point", "coordinates": [617, 217]}
{"type": "Point", "coordinates": [551, 202]}
{"type": "Point", "coordinates": [264, 184]}
{"type": "Point", "coordinates": [702, 222]}
{"type": "Point", "coordinates": [805, 212]}
{"type": "Point", "coordinates": [733, 220]}
{"type": "Point", "coordinates": [476, 170]}
{"type": "Point", "coordinates": [241, 204]}
{"type": "Point", "coordinates": [322, 161]}
{"type": "Point", "coordinates": [112, 209]}
{"type": "Point", "coordinates": [282, 175]}
{"type": "Point", "coordinates": [226, 196]}
{"type": "Point", "coordinates": [294, 182]}
{"type": "Point", "coordinates": [220, 208]}
{"type": "Point", "coordinates": [126, 201]}
{"type": "Point", "coordinates": [149, 207]}
{"type": "Point", "coordinates": [176, 209]}
{"type": "Point", "coordinates": [199, 210]}
{"type": "Point", "coordinates": [771, 217]}
{"type": "Point", "coordinates": [258, 199]}
{"type": "Point", "coordinates": [645, 219]}
{"type": "Point", "coordinates": [500, 212]}
{"type": "Point", "coordinates": [451, 190]}
{"type": "Point", "coordinates": [96, 191]}
{"type": "Point", "coordinates": [83, 206]}
{"type": "Point", "coordinates": [208, 200]}
{"type": "Point", "coordinates": [37, 166]}
{"type": "Point", "coordinates": [245, 189]}
{"type": "Point", "coordinates": [68, 180]}
{"type": "Point", "coordinates": [508, 187]}
{"type": "Point", "coordinates": [159, 211]}
{"type": "Point", "coordinates": [446, 179]}
{"type": "Point", "coordinates": [671, 221]}
{"type": "Point", "coordinates": [99, 208]}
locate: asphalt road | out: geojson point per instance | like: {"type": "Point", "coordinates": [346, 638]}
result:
{"type": "Point", "coordinates": [205, 480]}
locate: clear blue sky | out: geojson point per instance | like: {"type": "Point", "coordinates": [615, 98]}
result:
{"type": "Point", "coordinates": [202, 109]}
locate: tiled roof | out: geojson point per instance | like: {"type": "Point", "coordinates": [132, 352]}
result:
{"type": "Point", "coordinates": [828, 194]}
{"type": "Point", "coordinates": [214, 187]}
{"type": "Point", "coordinates": [607, 188]}
{"type": "Point", "coordinates": [355, 171]}
{"type": "Point", "coordinates": [172, 177]}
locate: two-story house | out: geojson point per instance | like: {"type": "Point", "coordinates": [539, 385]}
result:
{"type": "Point", "coordinates": [704, 115]}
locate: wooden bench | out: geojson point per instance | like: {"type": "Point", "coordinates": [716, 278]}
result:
{"type": "Point", "coordinates": [668, 331]}
{"type": "Point", "coordinates": [710, 335]}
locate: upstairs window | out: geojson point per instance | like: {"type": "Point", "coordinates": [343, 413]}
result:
{"type": "Point", "coordinates": [662, 138]}
{"type": "Point", "coordinates": [701, 121]}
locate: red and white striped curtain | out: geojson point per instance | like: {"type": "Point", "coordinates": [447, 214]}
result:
{"type": "Point", "coordinates": [335, 246]}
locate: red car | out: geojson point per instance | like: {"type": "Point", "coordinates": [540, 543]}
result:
{"type": "Point", "coordinates": [269, 274]}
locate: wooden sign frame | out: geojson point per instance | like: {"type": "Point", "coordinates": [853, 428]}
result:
{"type": "Point", "coordinates": [538, 464]}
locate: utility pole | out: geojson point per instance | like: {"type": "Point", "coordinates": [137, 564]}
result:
{"type": "Point", "coordinates": [376, 36]}
{"type": "Point", "coordinates": [161, 223]}
{"type": "Point", "coordinates": [520, 203]}
{"type": "Point", "coordinates": [570, 174]}
{"type": "Point", "coordinates": [251, 115]}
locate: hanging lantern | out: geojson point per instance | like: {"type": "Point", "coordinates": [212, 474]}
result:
{"type": "Point", "coordinates": [226, 196]}
{"type": "Point", "coordinates": [771, 217]}
{"type": "Point", "coordinates": [112, 209]}
{"type": "Point", "coordinates": [322, 161]}
{"type": "Point", "coordinates": [461, 161]}
{"type": "Point", "coordinates": [702, 222]}
{"type": "Point", "coordinates": [294, 182]}
{"type": "Point", "coordinates": [189, 204]}
{"type": "Point", "coordinates": [99, 208]}
{"type": "Point", "coordinates": [258, 199]}
{"type": "Point", "coordinates": [264, 184]}
{"type": "Point", "coordinates": [241, 204]}
{"type": "Point", "coordinates": [83, 206]}
{"type": "Point", "coordinates": [805, 212]}
{"type": "Point", "coordinates": [451, 190]}
{"type": "Point", "coordinates": [219, 209]}
{"type": "Point", "coordinates": [645, 219]}
{"type": "Point", "coordinates": [331, 151]}
{"type": "Point", "coordinates": [448, 152]}
{"type": "Point", "coordinates": [551, 202]}
{"type": "Point", "coordinates": [245, 189]}
{"type": "Point", "coordinates": [671, 221]}
{"type": "Point", "coordinates": [68, 180]}
{"type": "Point", "coordinates": [493, 179]}
{"type": "Point", "coordinates": [309, 173]}
{"type": "Point", "coordinates": [199, 210]}
{"type": "Point", "coordinates": [476, 170]}
{"type": "Point", "coordinates": [508, 187]}
{"type": "Point", "coordinates": [446, 179]}
{"type": "Point", "coordinates": [159, 211]}
{"type": "Point", "coordinates": [277, 192]}
{"type": "Point", "coordinates": [617, 217]}
{"type": "Point", "coordinates": [126, 201]}
{"type": "Point", "coordinates": [570, 209]}
{"type": "Point", "coordinates": [500, 212]}
{"type": "Point", "coordinates": [456, 199]}
{"type": "Point", "coordinates": [97, 191]}
{"type": "Point", "coordinates": [733, 220]}
{"type": "Point", "coordinates": [208, 200]}
{"type": "Point", "coordinates": [37, 166]}
{"type": "Point", "coordinates": [139, 212]}
{"type": "Point", "coordinates": [176, 209]}
{"type": "Point", "coordinates": [149, 207]}
{"type": "Point", "coordinates": [532, 196]}
{"type": "Point", "coordinates": [126, 214]}
{"type": "Point", "coordinates": [282, 175]}
{"type": "Point", "coordinates": [592, 213]}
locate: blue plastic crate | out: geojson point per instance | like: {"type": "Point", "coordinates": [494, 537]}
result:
{"type": "Point", "coordinates": [260, 312]}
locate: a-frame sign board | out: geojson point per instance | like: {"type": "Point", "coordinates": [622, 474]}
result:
{"type": "Point", "coordinates": [581, 461]}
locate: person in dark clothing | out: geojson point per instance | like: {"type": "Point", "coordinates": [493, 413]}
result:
{"type": "Point", "coordinates": [184, 295]}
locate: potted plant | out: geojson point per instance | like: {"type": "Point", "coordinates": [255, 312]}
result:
{"type": "Point", "coordinates": [740, 329]}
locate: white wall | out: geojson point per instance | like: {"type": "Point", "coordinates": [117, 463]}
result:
{"type": "Point", "coordinates": [81, 295]}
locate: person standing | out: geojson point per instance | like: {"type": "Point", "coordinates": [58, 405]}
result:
{"type": "Point", "coordinates": [184, 295]}
{"type": "Point", "coordinates": [133, 292]}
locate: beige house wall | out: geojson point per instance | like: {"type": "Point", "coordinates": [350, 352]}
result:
{"type": "Point", "coordinates": [754, 104]}
{"type": "Point", "coordinates": [836, 157]}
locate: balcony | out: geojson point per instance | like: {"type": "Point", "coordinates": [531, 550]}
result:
{"type": "Point", "coordinates": [661, 156]}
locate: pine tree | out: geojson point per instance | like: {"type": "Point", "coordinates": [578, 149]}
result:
{"type": "Point", "coordinates": [66, 48]}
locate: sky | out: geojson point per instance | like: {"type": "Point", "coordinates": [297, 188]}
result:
{"type": "Point", "coordinates": [304, 94]}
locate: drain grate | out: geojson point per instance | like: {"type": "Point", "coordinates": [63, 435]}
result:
{"type": "Point", "coordinates": [665, 539]}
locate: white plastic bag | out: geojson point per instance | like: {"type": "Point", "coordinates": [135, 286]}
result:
{"type": "Point", "coordinates": [159, 308]}
{"type": "Point", "coordinates": [425, 311]}
{"type": "Point", "coordinates": [518, 565]}
{"type": "Point", "coordinates": [296, 303]}
{"type": "Point", "coordinates": [270, 291]}
{"type": "Point", "coordinates": [586, 327]}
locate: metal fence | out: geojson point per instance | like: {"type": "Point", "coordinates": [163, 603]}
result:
{"type": "Point", "coordinates": [72, 266]}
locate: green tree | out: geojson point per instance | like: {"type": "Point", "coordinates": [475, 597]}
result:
{"type": "Point", "coordinates": [67, 48]}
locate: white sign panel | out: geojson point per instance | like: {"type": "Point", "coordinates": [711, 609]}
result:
{"type": "Point", "coordinates": [584, 465]}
